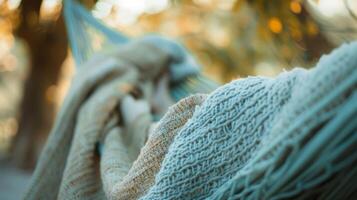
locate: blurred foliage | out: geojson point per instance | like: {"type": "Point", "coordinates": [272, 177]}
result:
{"type": "Point", "coordinates": [235, 38]}
{"type": "Point", "coordinates": [230, 38]}
{"type": "Point", "coordinates": [33, 46]}
{"type": "Point", "coordinates": [12, 74]}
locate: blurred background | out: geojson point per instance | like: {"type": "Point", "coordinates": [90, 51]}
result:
{"type": "Point", "coordinates": [230, 38]}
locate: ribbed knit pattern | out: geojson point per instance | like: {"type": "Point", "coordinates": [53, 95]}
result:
{"type": "Point", "coordinates": [48, 175]}
{"type": "Point", "coordinates": [221, 136]}
{"type": "Point", "coordinates": [311, 149]}
{"type": "Point", "coordinates": [69, 166]}
{"type": "Point", "coordinates": [293, 136]}
{"type": "Point", "coordinates": [142, 174]}
{"type": "Point", "coordinates": [262, 138]}
{"type": "Point", "coordinates": [114, 164]}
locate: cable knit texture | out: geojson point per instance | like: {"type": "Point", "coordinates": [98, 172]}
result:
{"type": "Point", "coordinates": [221, 136]}
{"type": "Point", "coordinates": [261, 138]}
{"type": "Point", "coordinates": [69, 166]}
{"type": "Point", "coordinates": [293, 136]}
{"type": "Point", "coordinates": [142, 174]}
{"type": "Point", "coordinates": [310, 152]}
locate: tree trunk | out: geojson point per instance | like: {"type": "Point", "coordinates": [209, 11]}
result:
{"type": "Point", "coordinates": [47, 49]}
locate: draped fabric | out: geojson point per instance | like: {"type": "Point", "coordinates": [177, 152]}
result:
{"type": "Point", "coordinates": [69, 166]}
{"type": "Point", "coordinates": [293, 136]}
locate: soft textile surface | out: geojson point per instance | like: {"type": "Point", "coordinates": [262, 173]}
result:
{"type": "Point", "coordinates": [311, 150]}
{"type": "Point", "coordinates": [142, 174]}
{"type": "Point", "coordinates": [69, 167]}
{"type": "Point", "coordinates": [221, 136]}
{"type": "Point", "coordinates": [293, 136]}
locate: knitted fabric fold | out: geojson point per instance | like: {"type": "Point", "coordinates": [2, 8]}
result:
{"type": "Point", "coordinates": [69, 167]}
{"type": "Point", "coordinates": [48, 174]}
{"type": "Point", "coordinates": [257, 138]}
{"type": "Point", "coordinates": [221, 136]}
{"type": "Point", "coordinates": [141, 175]}
{"type": "Point", "coordinates": [293, 136]}
{"type": "Point", "coordinates": [310, 152]}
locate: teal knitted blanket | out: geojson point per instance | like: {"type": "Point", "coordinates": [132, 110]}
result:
{"type": "Point", "coordinates": [294, 136]}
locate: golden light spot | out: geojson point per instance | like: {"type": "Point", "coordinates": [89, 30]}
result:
{"type": "Point", "coordinates": [295, 7]}
{"type": "Point", "coordinates": [13, 4]}
{"type": "Point", "coordinates": [275, 25]}
{"type": "Point", "coordinates": [50, 10]}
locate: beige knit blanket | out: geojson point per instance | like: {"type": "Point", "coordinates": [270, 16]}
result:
{"type": "Point", "coordinates": [70, 168]}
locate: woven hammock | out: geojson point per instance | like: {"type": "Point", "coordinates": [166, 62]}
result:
{"type": "Point", "coordinates": [83, 28]}
{"type": "Point", "coordinates": [293, 136]}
